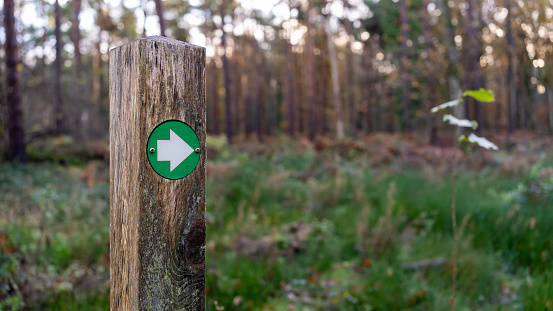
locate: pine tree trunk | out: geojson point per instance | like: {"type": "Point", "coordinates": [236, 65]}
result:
{"type": "Point", "coordinates": [60, 109]}
{"type": "Point", "coordinates": [290, 83]}
{"type": "Point", "coordinates": [310, 78]}
{"type": "Point", "coordinates": [226, 76]}
{"type": "Point", "coordinates": [16, 134]}
{"type": "Point", "coordinates": [76, 83]}
{"type": "Point", "coordinates": [255, 90]}
{"type": "Point", "coordinates": [405, 84]}
{"type": "Point", "coordinates": [159, 10]}
{"type": "Point", "coordinates": [511, 69]}
{"type": "Point", "coordinates": [473, 108]}
{"type": "Point", "coordinates": [350, 71]}
{"type": "Point", "coordinates": [335, 82]}
{"type": "Point", "coordinates": [550, 107]}
{"type": "Point", "coordinates": [430, 75]}
{"type": "Point", "coordinates": [453, 54]}
{"type": "Point", "coordinates": [3, 118]}
{"type": "Point", "coordinates": [215, 99]}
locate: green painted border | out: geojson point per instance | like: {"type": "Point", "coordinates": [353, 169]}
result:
{"type": "Point", "coordinates": [187, 166]}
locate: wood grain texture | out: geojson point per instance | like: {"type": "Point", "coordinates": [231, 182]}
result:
{"type": "Point", "coordinates": [157, 226]}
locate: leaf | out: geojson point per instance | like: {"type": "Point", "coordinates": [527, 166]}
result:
{"type": "Point", "coordinates": [449, 104]}
{"type": "Point", "coordinates": [461, 123]}
{"type": "Point", "coordinates": [480, 141]}
{"type": "Point", "coordinates": [485, 96]}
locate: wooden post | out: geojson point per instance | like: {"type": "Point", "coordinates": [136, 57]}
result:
{"type": "Point", "coordinates": [157, 225]}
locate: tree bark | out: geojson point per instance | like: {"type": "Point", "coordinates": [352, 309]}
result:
{"type": "Point", "coordinates": [405, 84]}
{"type": "Point", "coordinates": [550, 107]}
{"type": "Point", "coordinates": [76, 83]}
{"type": "Point", "coordinates": [159, 10]}
{"type": "Point", "coordinates": [335, 82]}
{"type": "Point", "coordinates": [226, 75]}
{"type": "Point", "coordinates": [61, 127]}
{"type": "Point", "coordinates": [310, 78]}
{"type": "Point", "coordinates": [453, 54]}
{"type": "Point", "coordinates": [16, 134]}
{"type": "Point", "coordinates": [255, 90]}
{"type": "Point", "coordinates": [290, 81]}
{"type": "Point", "coordinates": [512, 111]}
{"type": "Point", "coordinates": [472, 60]}
{"type": "Point", "coordinates": [350, 71]}
{"type": "Point", "coordinates": [430, 75]}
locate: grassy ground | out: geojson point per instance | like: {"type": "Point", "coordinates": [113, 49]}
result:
{"type": "Point", "coordinates": [294, 229]}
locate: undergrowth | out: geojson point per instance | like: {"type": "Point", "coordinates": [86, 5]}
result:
{"type": "Point", "coordinates": [290, 230]}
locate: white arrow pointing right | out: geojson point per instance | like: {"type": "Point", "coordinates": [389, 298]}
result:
{"type": "Point", "coordinates": [175, 150]}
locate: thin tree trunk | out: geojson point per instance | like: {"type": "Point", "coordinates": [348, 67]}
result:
{"type": "Point", "coordinates": [76, 83]}
{"type": "Point", "coordinates": [310, 78]}
{"type": "Point", "coordinates": [406, 88]}
{"type": "Point", "coordinates": [350, 71]}
{"type": "Point", "coordinates": [60, 109]}
{"type": "Point", "coordinates": [145, 11]}
{"type": "Point", "coordinates": [290, 82]}
{"type": "Point", "coordinates": [335, 82]}
{"type": "Point", "coordinates": [550, 107]}
{"type": "Point", "coordinates": [226, 76]}
{"type": "Point", "coordinates": [215, 99]}
{"type": "Point", "coordinates": [430, 75]}
{"type": "Point", "coordinates": [472, 74]}
{"type": "Point", "coordinates": [453, 54]}
{"type": "Point", "coordinates": [255, 90]}
{"type": "Point", "coordinates": [16, 134]}
{"type": "Point", "coordinates": [3, 118]}
{"type": "Point", "coordinates": [159, 10]}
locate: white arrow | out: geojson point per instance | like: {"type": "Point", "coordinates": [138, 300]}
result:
{"type": "Point", "coordinates": [175, 150]}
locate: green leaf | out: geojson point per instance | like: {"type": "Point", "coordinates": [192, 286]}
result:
{"type": "Point", "coordinates": [460, 122]}
{"type": "Point", "coordinates": [485, 96]}
{"type": "Point", "coordinates": [480, 141]}
{"type": "Point", "coordinates": [452, 103]}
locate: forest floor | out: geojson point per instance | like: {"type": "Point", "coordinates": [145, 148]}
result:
{"type": "Point", "coordinates": [353, 225]}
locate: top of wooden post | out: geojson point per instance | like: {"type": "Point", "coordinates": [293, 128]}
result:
{"type": "Point", "coordinates": [163, 40]}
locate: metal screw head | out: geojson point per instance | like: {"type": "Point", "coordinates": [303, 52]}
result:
{"type": "Point", "coordinates": [152, 150]}
{"type": "Point", "coordinates": [197, 150]}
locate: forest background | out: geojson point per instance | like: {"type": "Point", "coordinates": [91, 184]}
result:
{"type": "Point", "coordinates": [326, 103]}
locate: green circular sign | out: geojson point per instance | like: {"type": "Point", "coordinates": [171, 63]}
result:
{"type": "Point", "coordinates": [173, 149]}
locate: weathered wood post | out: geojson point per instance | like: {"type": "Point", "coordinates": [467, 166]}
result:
{"type": "Point", "coordinates": [157, 175]}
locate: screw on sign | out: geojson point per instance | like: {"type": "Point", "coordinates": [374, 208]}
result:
{"type": "Point", "coordinates": [157, 175]}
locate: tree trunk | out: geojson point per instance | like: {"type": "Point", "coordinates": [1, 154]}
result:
{"type": "Point", "coordinates": [550, 107]}
{"type": "Point", "coordinates": [350, 71]}
{"type": "Point", "coordinates": [290, 82]}
{"type": "Point", "coordinates": [3, 118]}
{"type": "Point", "coordinates": [430, 75]}
{"type": "Point", "coordinates": [335, 82]}
{"type": "Point", "coordinates": [472, 69]}
{"type": "Point", "coordinates": [255, 90]}
{"type": "Point", "coordinates": [215, 99]}
{"type": "Point", "coordinates": [60, 109]}
{"type": "Point", "coordinates": [453, 54]}
{"type": "Point", "coordinates": [145, 11]}
{"type": "Point", "coordinates": [76, 83]}
{"type": "Point", "coordinates": [405, 85]}
{"type": "Point", "coordinates": [159, 10]}
{"type": "Point", "coordinates": [226, 75]}
{"type": "Point", "coordinates": [512, 111]}
{"type": "Point", "coordinates": [16, 134]}
{"type": "Point", "coordinates": [310, 78]}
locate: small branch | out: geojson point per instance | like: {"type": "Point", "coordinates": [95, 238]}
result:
{"type": "Point", "coordinates": [424, 264]}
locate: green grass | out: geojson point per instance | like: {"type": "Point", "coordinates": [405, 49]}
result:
{"type": "Point", "coordinates": [363, 225]}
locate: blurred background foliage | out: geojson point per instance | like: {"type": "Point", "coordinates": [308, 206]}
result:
{"type": "Point", "coordinates": [328, 179]}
